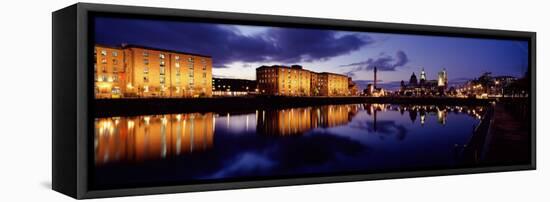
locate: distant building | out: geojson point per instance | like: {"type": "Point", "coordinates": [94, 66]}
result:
{"type": "Point", "coordinates": [369, 91]}
{"type": "Point", "coordinates": [136, 71]}
{"type": "Point", "coordinates": [422, 76]}
{"type": "Point", "coordinates": [423, 86]}
{"type": "Point", "coordinates": [372, 89]}
{"type": "Point", "coordinates": [296, 81]}
{"type": "Point", "coordinates": [283, 80]}
{"type": "Point", "coordinates": [353, 88]}
{"type": "Point", "coordinates": [413, 81]}
{"type": "Point", "coordinates": [233, 87]}
{"type": "Point", "coordinates": [442, 78]}
{"type": "Point", "coordinates": [333, 84]}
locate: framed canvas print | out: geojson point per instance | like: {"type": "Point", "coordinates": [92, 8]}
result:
{"type": "Point", "coordinates": [154, 100]}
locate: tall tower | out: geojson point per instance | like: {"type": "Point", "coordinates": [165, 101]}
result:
{"type": "Point", "coordinates": [445, 79]}
{"type": "Point", "coordinates": [442, 78]}
{"type": "Point", "coordinates": [422, 74]}
{"type": "Point", "coordinates": [375, 71]}
{"type": "Point", "coordinates": [422, 77]}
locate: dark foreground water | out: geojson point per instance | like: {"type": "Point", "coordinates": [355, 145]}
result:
{"type": "Point", "coordinates": [334, 139]}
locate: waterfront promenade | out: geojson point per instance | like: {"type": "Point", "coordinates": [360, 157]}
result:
{"type": "Point", "coordinates": [124, 107]}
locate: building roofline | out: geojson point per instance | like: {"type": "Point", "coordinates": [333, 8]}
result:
{"type": "Point", "coordinates": [284, 66]}
{"type": "Point", "coordinates": [150, 48]}
{"type": "Point", "coordinates": [333, 74]}
{"type": "Point", "coordinates": [108, 46]}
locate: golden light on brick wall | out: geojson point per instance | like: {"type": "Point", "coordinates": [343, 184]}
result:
{"type": "Point", "coordinates": [134, 71]}
{"type": "Point", "coordinates": [296, 81]}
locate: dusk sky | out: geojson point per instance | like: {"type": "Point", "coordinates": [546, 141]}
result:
{"type": "Point", "coordinates": [238, 50]}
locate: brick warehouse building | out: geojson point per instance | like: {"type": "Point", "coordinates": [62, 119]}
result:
{"type": "Point", "coordinates": [296, 81]}
{"type": "Point", "coordinates": [283, 80]}
{"type": "Point", "coordinates": [136, 71]}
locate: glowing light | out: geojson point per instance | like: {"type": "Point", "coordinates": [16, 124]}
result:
{"type": "Point", "coordinates": [130, 124]}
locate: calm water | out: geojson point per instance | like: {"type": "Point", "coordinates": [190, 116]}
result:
{"type": "Point", "coordinates": [189, 147]}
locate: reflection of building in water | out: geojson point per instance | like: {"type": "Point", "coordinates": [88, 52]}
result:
{"type": "Point", "coordinates": [423, 115]}
{"type": "Point", "coordinates": [442, 116]}
{"type": "Point", "coordinates": [135, 139]}
{"type": "Point", "coordinates": [422, 110]}
{"type": "Point", "coordinates": [412, 115]}
{"type": "Point", "coordinates": [299, 120]}
{"type": "Point", "coordinates": [372, 109]}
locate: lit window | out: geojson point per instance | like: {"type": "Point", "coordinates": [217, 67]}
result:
{"type": "Point", "coordinates": [115, 53]}
{"type": "Point", "coordinates": [145, 54]}
{"type": "Point", "coordinates": [103, 52]}
{"type": "Point", "coordinates": [145, 70]}
{"type": "Point", "coordinates": [161, 56]}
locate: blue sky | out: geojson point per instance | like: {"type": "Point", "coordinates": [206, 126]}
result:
{"type": "Point", "coordinates": [237, 50]}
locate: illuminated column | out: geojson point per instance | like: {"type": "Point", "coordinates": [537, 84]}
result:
{"type": "Point", "coordinates": [375, 78]}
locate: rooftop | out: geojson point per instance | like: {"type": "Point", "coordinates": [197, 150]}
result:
{"type": "Point", "coordinates": [123, 46]}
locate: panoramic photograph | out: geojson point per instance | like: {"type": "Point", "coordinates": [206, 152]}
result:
{"type": "Point", "coordinates": [180, 102]}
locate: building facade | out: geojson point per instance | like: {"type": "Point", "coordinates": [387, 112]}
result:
{"type": "Point", "coordinates": [233, 87]}
{"type": "Point", "coordinates": [284, 80]}
{"type": "Point", "coordinates": [336, 84]}
{"type": "Point", "coordinates": [133, 71]}
{"type": "Point", "coordinates": [296, 81]}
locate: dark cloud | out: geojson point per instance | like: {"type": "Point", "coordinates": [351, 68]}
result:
{"type": "Point", "coordinates": [383, 62]}
{"type": "Point", "coordinates": [226, 44]}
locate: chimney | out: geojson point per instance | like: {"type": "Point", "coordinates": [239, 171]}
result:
{"type": "Point", "coordinates": [375, 71]}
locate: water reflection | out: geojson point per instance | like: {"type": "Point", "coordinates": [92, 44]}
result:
{"type": "Point", "coordinates": [141, 138]}
{"type": "Point", "coordinates": [296, 121]}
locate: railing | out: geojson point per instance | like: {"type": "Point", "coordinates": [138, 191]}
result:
{"type": "Point", "coordinates": [473, 151]}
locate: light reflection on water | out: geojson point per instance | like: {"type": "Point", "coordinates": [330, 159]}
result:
{"type": "Point", "coordinates": [314, 139]}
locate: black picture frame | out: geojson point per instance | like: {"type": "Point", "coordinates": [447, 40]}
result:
{"type": "Point", "coordinates": [72, 123]}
